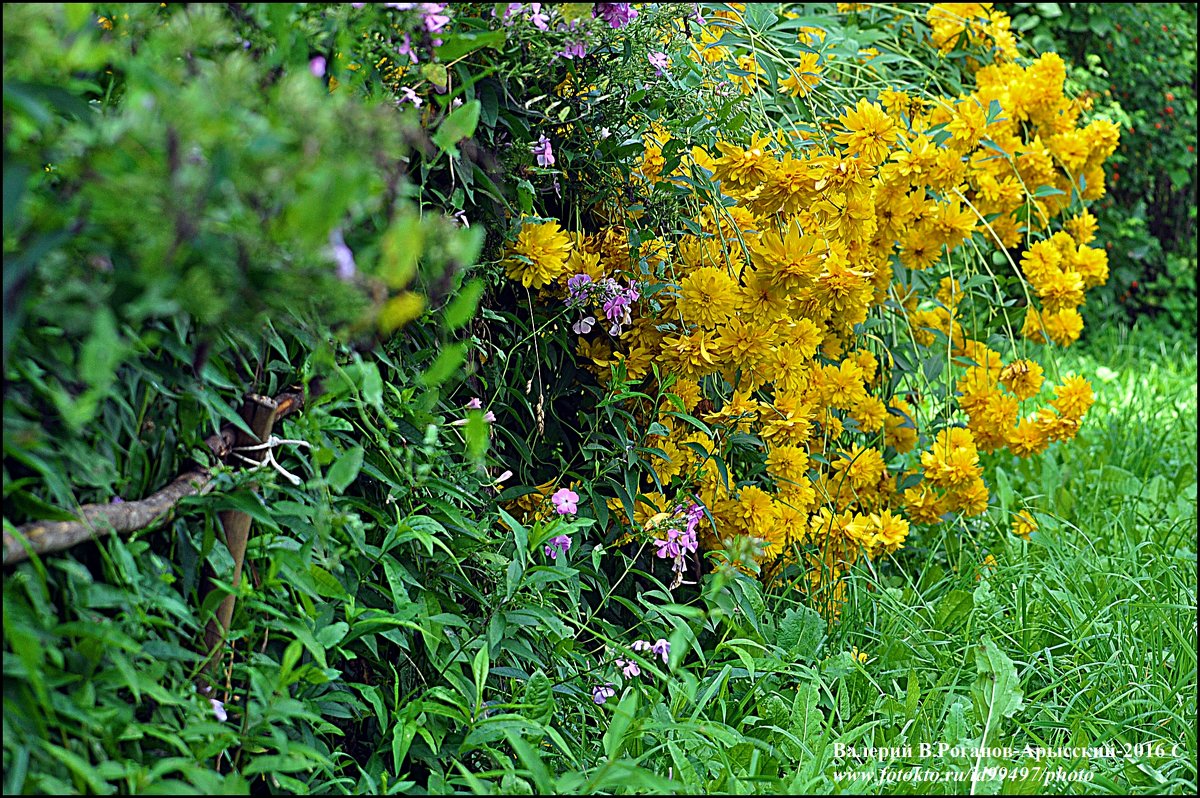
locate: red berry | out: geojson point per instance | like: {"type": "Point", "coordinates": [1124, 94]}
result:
{"type": "Point", "coordinates": [1158, 125]}
{"type": "Point", "coordinates": [1170, 97]}
{"type": "Point", "coordinates": [1164, 28]}
{"type": "Point", "coordinates": [1134, 284]}
{"type": "Point", "coordinates": [1169, 110]}
{"type": "Point", "coordinates": [1191, 148]}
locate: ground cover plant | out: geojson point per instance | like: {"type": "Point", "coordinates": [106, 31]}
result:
{"type": "Point", "coordinates": [565, 398]}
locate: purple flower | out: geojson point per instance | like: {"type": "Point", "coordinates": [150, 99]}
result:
{"type": "Point", "coordinates": [660, 61]}
{"type": "Point", "coordinates": [617, 15]}
{"type": "Point", "coordinates": [601, 693]}
{"type": "Point", "coordinates": [698, 16]}
{"type": "Point", "coordinates": [669, 548]}
{"type": "Point", "coordinates": [662, 648]}
{"type": "Point", "coordinates": [576, 287]}
{"type": "Point", "coordinates": [317, 66]}
{"type": "Point", "coordinates": [435, 20]}
{"type": "Point", "coordinates": [560, 544]}
{"type": "Point", "coordinates": [540, 21]}
{"type": "Point", "coordinates": [583, 326]}
{"type": "Point", "coordinates": [512, 11]}
{"type": "Point", "coordinates": [218, 708]}
{"type": "Point", "coordinates": [405, 48]}
{"type": "Point", "coordinates": [565, 500]}
{"type": "Point", "coordinates": [342, 255]}
{"type": "Point", "coordinates": [543, 151]}
{"type": "Point", "coordinates": [641, 645]}
{"type": "Point", "coordinates": [573, 50]}
{"type": "Point", "coordinates": [407, 95]}
{"type": "Point", "coordinates": [629, 668]}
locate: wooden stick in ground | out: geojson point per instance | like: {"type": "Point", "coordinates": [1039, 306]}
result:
{"type": "Point", "coordinates": [260, 413]}
{"type": "Point", "coordinates": [42, 537]}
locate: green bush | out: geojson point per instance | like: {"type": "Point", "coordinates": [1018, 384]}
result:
{"type": "Point", "coordinates": [1137, 61]}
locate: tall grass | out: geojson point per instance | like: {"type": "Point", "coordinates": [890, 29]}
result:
{"type": "Point", "coordinates": [1097, 611]}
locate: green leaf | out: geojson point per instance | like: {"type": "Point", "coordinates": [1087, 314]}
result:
{"type": "Point", "coordinates": [400, 250]}
{"type": "Point", "coordinates": [461, 309]}
{"type": "Point", "coordinates": [331, 635]}
{"type": "Point", "coordinates": [479, 670]}
{"type": "Point", "coordinates": [806, 717]}
{"type": "Point", "coordinates": [345, 470]}
{"type": "Point", "coordinates": [539, 696]}
{"type": "Point", "coordinates": [326, 583]}
{"type": "Point", "coordinates": [460, 124]}
{"type": "Point", "coordinates": [618, 727]}
{"type": "Point", "coordinates": [448, 361]}
{"type": "Point", "coordinates": [954, 609]}
{"type": "Point", "coordinates": [801, 632]}
{"type": "Point", "coordinates": [997, 688]}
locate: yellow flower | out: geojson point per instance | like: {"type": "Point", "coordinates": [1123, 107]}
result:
{"type": "Point", "coordinates": [803, 77]}
{"type": "Point", "coordinates": [869, 132]}
{"type": "Point", "coordinates": [1073, 397]}
{"type": "Point", "coordinates": [709, 297]}
{"type": "Point", "coordinates": [539, 254]}
{"type": "Point", "coordinates": [1023, 524]}
{"type": "Point", "coordinates": [1023, 378]}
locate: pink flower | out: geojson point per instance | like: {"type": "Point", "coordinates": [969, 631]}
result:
{"type": "Point", "coordinates": [475, 404]}
{"type": "Point", "coordinates": [342, 255]}
{"type": "Point", "coordinates": [629, 668]}
{"type": "Point", "coordinates": [317, 66]}
{"type": "Point", "coordinates": [565, 501]}
{"type": "Point", "coordinates": [218, 708]}
{"type": "Point", "coordinates": [543, 151]}
{"type": "Point", "coordinates": [660, 61]}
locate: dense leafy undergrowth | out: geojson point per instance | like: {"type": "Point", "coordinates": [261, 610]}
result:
{"type": "Point", "coordinates": [671, 398]}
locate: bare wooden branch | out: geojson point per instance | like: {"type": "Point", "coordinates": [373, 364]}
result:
{"type": "Point", "coordinates": [42, 537]}
{"type": "Point", "coordinates": [94, 520]}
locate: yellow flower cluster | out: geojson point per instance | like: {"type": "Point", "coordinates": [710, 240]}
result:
{"type": "Point", "coordinates": [977, 22]}
{"type": "Point", "coordinates": [779, 415]}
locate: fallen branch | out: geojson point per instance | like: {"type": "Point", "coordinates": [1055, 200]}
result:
{"type": "Point", "coordinates": [95, 520]}
{"type": "Point", "coordinates": [42, 537]}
